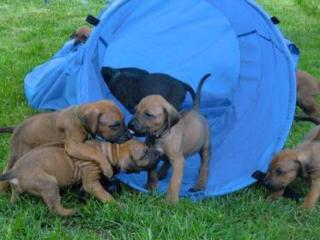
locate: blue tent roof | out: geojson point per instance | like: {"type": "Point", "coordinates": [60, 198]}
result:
{"type": "Point", "coordinates": [249, 100]}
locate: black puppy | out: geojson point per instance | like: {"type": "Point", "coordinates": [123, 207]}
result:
{"type": "Point", "coordinates": [130, 85]}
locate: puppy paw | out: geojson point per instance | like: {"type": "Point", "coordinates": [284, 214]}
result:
{"type": "Point", "coordinates": [171, 201]}
{"type": "Point", "coordinates": [151, 186]}
{"type": "Point", "coordinates": [305, 206]}
{"type": "Point", "coordinates": [107, 171]}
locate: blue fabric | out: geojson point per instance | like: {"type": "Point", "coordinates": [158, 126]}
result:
{"type": "Point", "coordinates": [249, 100]}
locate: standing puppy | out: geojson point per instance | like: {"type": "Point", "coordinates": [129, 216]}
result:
{"type": "Point", "coordinates": [176, 136]}
{"type": "Point", "coordinates": [289, 164]}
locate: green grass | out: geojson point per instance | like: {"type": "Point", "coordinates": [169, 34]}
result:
{"type": "Point", "coordinates": [30, 33]}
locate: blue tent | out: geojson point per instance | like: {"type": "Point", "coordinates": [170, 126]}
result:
{"type": "Point", "coordinates": [249, 100]}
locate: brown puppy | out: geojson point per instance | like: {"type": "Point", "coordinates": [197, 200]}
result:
{"type": "Point", "coordinates": [72, 124]}
{"type": "Point", "coordinates": [308, 87]}
{"type": "Point", "coordinates": [44, 169]}
{"type": "Point", "coordinates": [176, 136]}
{"type": "Point", "coordinates": [80, 35]}
{"type": "Point", "coordinates": [290, 163]}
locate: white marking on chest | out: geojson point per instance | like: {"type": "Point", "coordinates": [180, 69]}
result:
{"type": "Point", "coordinates": [14, 181]}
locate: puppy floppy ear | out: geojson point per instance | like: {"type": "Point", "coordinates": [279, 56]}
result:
{"type": "Point", "coordinates": [173, 116]}
{"type": "Point", "coordinates": [73, 35]}
{"type": "Point", "coordinates": [91, 119]}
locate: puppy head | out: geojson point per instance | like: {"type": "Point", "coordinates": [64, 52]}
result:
{"type": "Point", "coordinates": [80, 35]}
{"type": "Point", "coordinates": [153, 115]}
{"type": "Point", "coordinates": [106, 120]}
{"type": "Point", "coordinates": [136, 156]}
{"type": "Point", "coordinates": [283, 169]}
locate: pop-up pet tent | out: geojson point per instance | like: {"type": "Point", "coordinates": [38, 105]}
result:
{"type": "Point", "coordinates": [249, 99]}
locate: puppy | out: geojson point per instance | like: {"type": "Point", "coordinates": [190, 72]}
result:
{"type": "Point", "coordinates": [130, 85]}
{"type": "Point", "coordinates": [176, 136]}
{"type": "Point", "coordinates": [289, 164]}
{"type": "Point", "coordinates": [308, 87]}
{"type": "Point", "coordinates": [44, 169]}
{"type": "Point", "coordinates": [71, 124]}
{"type": "Point", "coordinates": [80, 35]}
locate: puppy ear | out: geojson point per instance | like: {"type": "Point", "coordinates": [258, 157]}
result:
{"type": "Point", "coordinates": [173, 116]}
{"type": "Point", "coordinates": [302, 168]}
{"type": "Point", "coordinates": [73, 35]}
{"type": "Point", "coordinates": [91, 119]}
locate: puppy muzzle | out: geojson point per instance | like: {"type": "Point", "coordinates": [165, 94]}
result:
{"type": "Point", "coordinates": [271, 185]}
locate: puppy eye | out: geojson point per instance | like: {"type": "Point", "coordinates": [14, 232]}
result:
{"type": "Point", "coordinates": [148, 115]}
{"type": "Point", "coordinates": [279, 171]}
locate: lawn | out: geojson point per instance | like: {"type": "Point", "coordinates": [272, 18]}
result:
{"type": "Point", "coordinates": [30, 33]}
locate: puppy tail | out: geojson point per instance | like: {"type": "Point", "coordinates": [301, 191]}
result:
{"type": "Point", "coordinates": [7, 130]}
{"type": "Point", "coordinates": [190, 90]}
{"type": "Point", "coordinates": [196, 103]}
{"type": "Point", "coordinates": [7, 176]}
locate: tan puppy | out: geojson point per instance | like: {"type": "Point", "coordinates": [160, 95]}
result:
{"type": "Point", "coordinates": [80, 35]}
{"type": "Point", "coordinates": [308, 88]}
{"type": "Point", "coordinates": [44, 169]}
{"type": "Point", "coordinates": [176, 136]}
{"type": "Point", "coordinates": [290, 163]}
{"type": "Point", "coordinates": [72, 124]}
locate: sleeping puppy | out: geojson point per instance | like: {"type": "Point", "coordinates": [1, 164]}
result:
{"type": "Point", "coordinates": [175, 135]}
{"type": "Point", "coordinates": [80, 35]}
{"type": "Point", "coordinates": [43, 170]}
{"type": "Point", "coordinates": [130, 85]}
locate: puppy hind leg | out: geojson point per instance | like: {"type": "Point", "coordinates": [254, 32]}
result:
{"type": "Point", "coordinates": [313, 195]}
{"type": "Point", "coordinates": [47, 187]}
{"type": "Point", "coordinates": [95, 188]}
{"type": "Point", "coordinates": [205, 155]}
{"type": "Point", "coordinates": [14, 194]}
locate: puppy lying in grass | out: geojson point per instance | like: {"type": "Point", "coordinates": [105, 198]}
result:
{"type": "Point", "coordinates": [177, 136]}
{"type": "Point", "coordinates": [308, 88]}
{"type": "Point", "coordinates": [287, 165]}
{"type": "Point", "coordinates": [44, 169]}
{"type": "Point", "coordinates": [130, 85]}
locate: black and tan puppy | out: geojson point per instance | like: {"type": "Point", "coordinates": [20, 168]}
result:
{"type": "Point", "coordinates": [288, 164]}
{"type": "Point", "coordinates": [130, 85]}
{"type": "Point", "coordinates": [43, 170]}
{"type": "Point", "coordinates": [71, 124]}
{"type": "Point", "coordinates": [308, 88]}
{"type": "Point", "coordinates": [177, 136]}
{"type": "Point", "coordinates": [80, 35]}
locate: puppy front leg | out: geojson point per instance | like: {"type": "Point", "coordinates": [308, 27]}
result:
{"type": "Point", "coordinates": [275, 195]}
{"type": "Point", "coordinates": [152, 180]}
{"type": "Point", "coordinates": [89, 152]}
{"type": "Point", "coordinates": [313, 195]}
{"type": "Point", "coordinates": [176, 179]}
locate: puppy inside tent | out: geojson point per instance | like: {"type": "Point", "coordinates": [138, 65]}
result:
{"type": "Point", "coordinates": [249, 100]}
